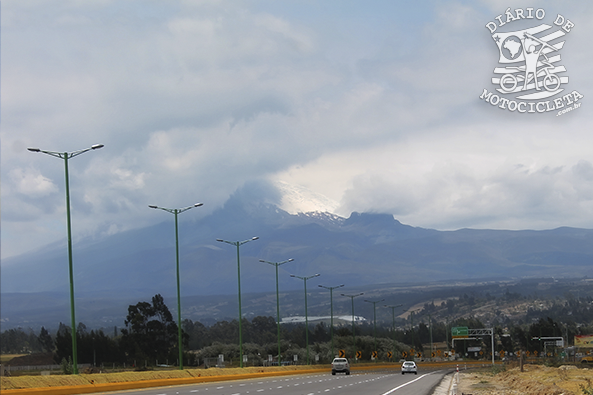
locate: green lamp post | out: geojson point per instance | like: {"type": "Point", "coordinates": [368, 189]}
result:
{"type": "Point", "coordinates": [375, 319]}
{"type": "Point", "coordinates": [412, 324]}
{"type": "Point", "coordinates": [238, 244]}
{"type": "Point", "coordinates": [175, 212]}
{"type": "Point", "coordinates": [353, 334]}
{"type": "Point", "coordinates": [66, 156]}
{"type": "Point", "coordinates": [331, 303]}
{"type": "Point", "coordinates": [306, 314]}
{"type": "Point", "coordinates": [393, 322]}
{"type": "Point", "coordinates": [276, 264]}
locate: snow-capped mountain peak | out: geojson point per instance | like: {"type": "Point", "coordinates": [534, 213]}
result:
{"type": "Point", "coordinates": [298, 199]}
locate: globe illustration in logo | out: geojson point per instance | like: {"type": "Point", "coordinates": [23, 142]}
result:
{"type": "Point", "coordinates": [511, 47]}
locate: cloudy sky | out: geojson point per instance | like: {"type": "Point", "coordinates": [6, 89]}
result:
{"type": "Point", "coordinates": [373, 104]}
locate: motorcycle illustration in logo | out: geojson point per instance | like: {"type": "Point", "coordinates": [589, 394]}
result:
{"type": "Point", "coordinates": [535, 69]}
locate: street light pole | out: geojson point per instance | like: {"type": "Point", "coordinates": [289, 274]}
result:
{"type": "Point", "coordinates": [331, 302]}
{"type": "Point", "coordinates": [393, 322]}
{"type": "Point", "coordinates": [276, 264]}
{"type": "Point", "coordinates": [412, 323]}
{"type": "Point", "coordinates": [176, 212]}
{"type": "Point", "coordinates": [66, 156]}
{"type": "Point", "coordinates": [353, 335]}
{"type": "Point", "coordinates": [306, 314]}
{"type": "Point", "coordinates": [375, 318]}
{"type": "Point", "coordinates": [238, 244]}
{"type": "Point", "coordinates": [430, 327]}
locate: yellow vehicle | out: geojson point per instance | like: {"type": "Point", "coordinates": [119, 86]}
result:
{"type": "Point", "coordinates": [587, 359]}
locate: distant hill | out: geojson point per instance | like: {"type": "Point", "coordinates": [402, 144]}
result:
{"type": "Point", "coordinates": [359, 251]}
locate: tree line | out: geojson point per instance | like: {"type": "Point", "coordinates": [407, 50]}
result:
{"type": "Point", "coordinates": [150, 338]}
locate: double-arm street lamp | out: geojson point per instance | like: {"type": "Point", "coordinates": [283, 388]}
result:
{"type": "Point", "coordinates": [393, 307]}
{"type": "Point", "coordinates": [176, 211]}
{"type": "Point", "coordinates": [353, 335]}
{"type": "Point", "coordinates": [306, 314]}
{"type": "Point", "coordinates": [375, 318]}
{"type": "Point", "coordinates": [331, 303]}
{"type": "Point", "coordinates": [276, 264]}
{"type": "Point", "coordinates": [66, 156]}
{"type": "Point", "coordinates": [238, 244]}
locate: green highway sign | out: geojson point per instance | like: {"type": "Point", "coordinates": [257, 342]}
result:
{"type": "Point", "coordinates": [459, 332]}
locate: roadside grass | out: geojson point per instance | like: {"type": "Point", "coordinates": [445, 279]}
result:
{"type": "Point", "coordinates": [535, 379]}
{"type": "Point", "coordinates": [39, 381]}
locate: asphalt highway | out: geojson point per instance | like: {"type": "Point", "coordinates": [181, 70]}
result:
{"type": "Point", "coordinates": [369, 383]}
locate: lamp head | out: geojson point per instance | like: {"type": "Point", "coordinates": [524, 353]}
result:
{"type": "Point", "coordinates": [34, 149]}
{"type": "Point", "coordinates": [97, 146]}
{"type": "Point", "coordinates": [198, 204]}
{"type": "Point", "coordinates": [152, 206]}
{"type": "Point", "coordinates": [221, 240]}
{"type": "Point", "coordinates": [255, 238]}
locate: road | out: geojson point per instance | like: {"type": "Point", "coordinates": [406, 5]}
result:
{"type": "Point", "coordinates": [368, 383]}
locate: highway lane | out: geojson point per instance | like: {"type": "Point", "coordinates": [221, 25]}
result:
{"type": "Point", "coordinates": [385, 382]}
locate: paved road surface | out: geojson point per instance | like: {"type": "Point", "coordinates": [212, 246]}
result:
{"type": "Point", "coordinates": [373, 383]}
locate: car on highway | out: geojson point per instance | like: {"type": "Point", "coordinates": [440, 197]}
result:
{"type": "Point", "coordinates": [340, 365]}
{"type": "Point", "coordinates": [409, 367]}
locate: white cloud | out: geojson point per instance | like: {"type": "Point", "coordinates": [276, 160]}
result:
{"type": "Point", "coordinates": [31, 183]}
{"type": "Point", "coordinates": [368, 106]}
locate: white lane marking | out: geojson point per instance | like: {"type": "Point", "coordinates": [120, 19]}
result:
{"type": "Point", "coordinates": [403, 385]}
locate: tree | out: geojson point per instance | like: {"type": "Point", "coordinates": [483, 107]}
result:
{"type": "Point", "coordinates": [151, 333]}
{"type": "Point", "coordinates": [45, 340]}
{"type": "Point", "coordinates": [199, 336]}
{"type": "Point", "coordinates": [63, 343]}
{"type": "Point", "coordinates": [15, 341]}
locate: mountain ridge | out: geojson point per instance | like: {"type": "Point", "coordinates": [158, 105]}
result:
{"type": "Point", "coordinates": [359, 251]}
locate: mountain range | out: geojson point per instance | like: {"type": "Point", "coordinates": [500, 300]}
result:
{"type": "Point", "coordinates": [361, 252]}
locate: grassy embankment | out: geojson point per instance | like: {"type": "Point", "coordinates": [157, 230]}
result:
{"type": "Point", "coordinates": [534, 380]}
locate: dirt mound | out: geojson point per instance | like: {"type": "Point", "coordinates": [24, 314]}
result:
{"type": "Point", "coordinates": [32, 360]}
{"type": "Point", "coordinates": [534, 380]}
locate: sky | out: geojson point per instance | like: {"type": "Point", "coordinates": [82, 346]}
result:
{"type": "Point", "coordinates": [373, 104]}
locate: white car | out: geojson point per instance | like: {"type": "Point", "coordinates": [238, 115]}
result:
{"type": "Point", "coordinates": [409, 367]}
{"type": "Point", "coordinates": [340, 365]}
